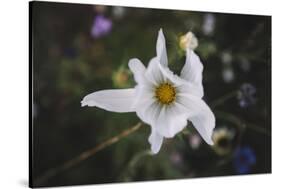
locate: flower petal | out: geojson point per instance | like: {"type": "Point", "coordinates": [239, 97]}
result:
{"type": "Point", "coordinates": [138, 69]}
{"type": "Point", "coordinates": [157, 74]}
{"type": "Point", "coordinates": [191, 89]}
{"type": "Point", "coordinates": [204, 122]}
{"type": "Point", "coordinates": [118, 100]}
{"type": "Point", "coordinates": [155, 141]}
{"type": "Point", "coordinates": [148, 111]}
{"type": "Point", "coordinates": [161, 49]}
{"type": "Point", "coordinates": [170, 76]}
{"type": "Point", "coordinates": [193, 69]}
{"type": "Point", "coordinates": [171, 120]}
{"type": "Point", "coordinates": [153, 72]}
{"type": "Point", "coordinates": [201, 116]}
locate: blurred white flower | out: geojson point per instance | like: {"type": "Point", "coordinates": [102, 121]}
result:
{"type": "Point", "coordinates": [208, 24]}
{"type": "Point", "coordinates": [227, 71]}
{"type": "Point", "coordinates": [118, 12]}
{"type": "Point", "coordinates": [222, 138]}
{"type": "Point", "coordinates": [226, 58]}
{"type": "Point", "coordinates": [188, 41]}
{"type": "Point", "coordinates": [227, 75]}
{"type": "Point", "coordinates": [162, 99]}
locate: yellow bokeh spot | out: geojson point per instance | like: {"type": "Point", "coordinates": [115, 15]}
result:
{"type": "Point", "coordinates": [165, 93]}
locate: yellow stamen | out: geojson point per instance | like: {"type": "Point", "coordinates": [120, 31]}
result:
{"type": "Point", "coordinates": [165, 93]}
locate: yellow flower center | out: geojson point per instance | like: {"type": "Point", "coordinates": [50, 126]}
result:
{"type": "Point", "coordinates": [165, 93]}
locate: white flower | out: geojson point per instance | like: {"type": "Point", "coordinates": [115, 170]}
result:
{"type": "Point", "coordinates": [162, 99]}
{"type": "Point", "coordinates": [222, 138]}
{"type": "Point", "coordinates": [118, 12]}
{"type": "Point", "coordinates": [188, 41]}
{"type": "Point", "coordinates": [226, 58]}
{"type": "Point", "coordinates": [228, 75]}
{"type": "Point", "coordinates": [209, 24]}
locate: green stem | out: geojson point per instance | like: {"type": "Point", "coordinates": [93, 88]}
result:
{"type": "Point", "coordinates": [241, 123]}
{"type": "Point", "coordinates": [224, 98]}
{"type": "Point", "coordinates": [84, 155]}
{"type": "Point", "coordinates": [129, 170]}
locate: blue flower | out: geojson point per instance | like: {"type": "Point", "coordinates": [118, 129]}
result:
{"type": "Point", "coordinates": [101, 26]}
{"type": "Point", "coordinates": [244, 159]}
{"type": "Point", "coordinates": [246, 95]}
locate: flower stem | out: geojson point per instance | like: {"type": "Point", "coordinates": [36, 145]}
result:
{"type": "Point", "coordinates": [241, 123]}
{"type": "Point", "coordinates": [224, 98]}
{"type": "Point", "coordinates": [84, 155]}
{"type": "Point", "coordinates": [130, 168]}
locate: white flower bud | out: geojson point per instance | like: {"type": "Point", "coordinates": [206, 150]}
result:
{"type": "Point", "coordinates": [188, 41]}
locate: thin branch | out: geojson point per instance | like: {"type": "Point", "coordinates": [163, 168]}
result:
{"type": "Point", "coordinates": [129, 170]}
{"type": "Point", "coordinates": [224, 98]}
{"type": "Point", "coordinates": [241, 123]}
{"type": "Point", "coordinates": [84, 155]}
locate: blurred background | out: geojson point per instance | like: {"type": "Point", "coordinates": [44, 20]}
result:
{"type": "Point", "coordinates": [79, 49]}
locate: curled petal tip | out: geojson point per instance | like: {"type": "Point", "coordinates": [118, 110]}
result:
{"type": "Point", "coordinates": [161, 48]}
{"type": "Point", "coordinates": [161, 34]}
{"type": "Point", "coordinates": [83, 103]}
{"type": "Point", "coordinates": [211, 142]}
{"type": "Point", "coordinates": [154, 151]}
{"type": "Point", "coordinates": [131, 62]}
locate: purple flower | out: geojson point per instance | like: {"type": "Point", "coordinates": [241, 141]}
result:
{"type": "Point", "coordinates": [101, 26]}
{"type": "Point", "coordinates": [247, 95]}
{"type": "Point", "coordinates": [176, 158]}
{"type": "Point", "coordinates": [195, 141]}
{"type": "Point", "coordinates": [244, 159]}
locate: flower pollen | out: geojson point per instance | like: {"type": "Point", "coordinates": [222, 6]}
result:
{"type": "Point", "coordinates": [165, 93]}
